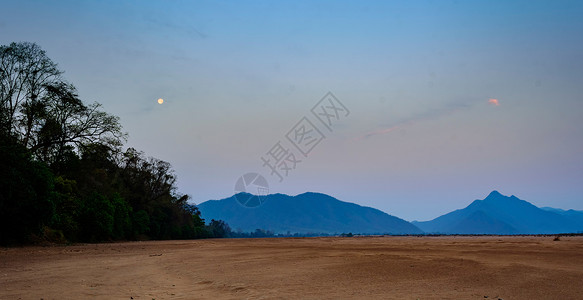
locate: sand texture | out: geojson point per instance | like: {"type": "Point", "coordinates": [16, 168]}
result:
{"type": "Point", "coordinates": [300, 268]}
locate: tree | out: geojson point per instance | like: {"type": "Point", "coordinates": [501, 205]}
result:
{"type": "Point", "coordinates": [62, 170]}
{"type": "Point", "coordinates": [25, 70]}
{"type": "Point", "coordinates": [68, 206]}
{"type": "Point", "coordinates": [122, 224]}
{"type": "Point", "coordinates": [219, 229]}
{"type": "Point", "coordinates": [70, 123]}
{"type": "Point", "coordinates": [44, 111]}
{"type": "Point", "coordinates": [97, 218]}
{"type": "Point", "coordinates": [150, 181]}
{"type": "Point", "coordinates": [25, 193]}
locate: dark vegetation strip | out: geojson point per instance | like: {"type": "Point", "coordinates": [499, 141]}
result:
{"type": "Point", "coordinates": [64, 175]}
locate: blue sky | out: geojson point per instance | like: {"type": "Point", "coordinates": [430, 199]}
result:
{"type": "Point", "coordinates": [421, 138]}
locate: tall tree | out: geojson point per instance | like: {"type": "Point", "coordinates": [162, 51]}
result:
{"type": "Point", "coordinates": [24, 72]}
{"type": "Point", "coordinates": [44, 111]}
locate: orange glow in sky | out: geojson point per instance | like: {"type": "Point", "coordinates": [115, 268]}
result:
{"type": "Point", "coordinates": [494, 101]}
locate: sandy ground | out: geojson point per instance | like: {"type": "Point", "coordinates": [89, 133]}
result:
{"type": "Point", "coordinates": [300, 268]}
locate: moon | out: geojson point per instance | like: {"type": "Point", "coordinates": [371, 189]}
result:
{"type": "Point", "coordinates": [494, 102]}
{"type": "Point", "coordinates": [160, 101]}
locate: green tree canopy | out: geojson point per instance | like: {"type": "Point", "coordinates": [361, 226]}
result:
{"type": "Point", "coordinates": [63, 173]}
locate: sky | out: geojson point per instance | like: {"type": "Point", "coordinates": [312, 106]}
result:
{"type": "Point", "coordinates": [438, 102]}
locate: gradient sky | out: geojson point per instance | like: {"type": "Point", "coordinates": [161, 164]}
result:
{"type": "Point", "coordinates": [423, 137]}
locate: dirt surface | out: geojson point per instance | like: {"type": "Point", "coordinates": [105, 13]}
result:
{"type": "Point", "coordinates": [300, 268]}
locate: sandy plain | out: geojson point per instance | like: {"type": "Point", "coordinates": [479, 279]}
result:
{"type": "Point", "coordinates": [454, 267]}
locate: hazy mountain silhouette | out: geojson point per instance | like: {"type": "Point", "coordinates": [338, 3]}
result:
{"type": "Point", "coordinates": [305, 213]}
{"type": "Point", "coordinates": [574, 215]}
{"type": "Point", "coordinates": [499, 214]}
{"type": "Point", "coordinates": [570, 212]}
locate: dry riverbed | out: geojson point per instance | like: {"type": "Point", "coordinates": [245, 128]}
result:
{"type": "Point", "coordinates": [293, 268]}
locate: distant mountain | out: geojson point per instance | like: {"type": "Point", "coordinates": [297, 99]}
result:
{"type": "Point", "coordinates": [574, 215]}
{"type": "Point", "coordinates": [305, 213]}
{"type": "Point", "coordinates": [499, 214]}
{"type": "Point", "coordinates": [560, 211]}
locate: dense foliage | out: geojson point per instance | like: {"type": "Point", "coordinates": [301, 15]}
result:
{"type": "Point", "coordinates": [63, 173]}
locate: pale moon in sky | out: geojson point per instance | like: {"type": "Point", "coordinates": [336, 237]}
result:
{"type": "Point", "coordinates": [160, 101]}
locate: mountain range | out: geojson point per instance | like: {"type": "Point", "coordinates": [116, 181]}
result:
{"type": "Point", "coordinates": [304, 213]}
{"type": "Point", "coordinates": [499, 214]}
{"type": "Point", "coordinates": [320, 213]}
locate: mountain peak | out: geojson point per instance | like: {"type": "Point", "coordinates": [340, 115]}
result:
{"type": "Point", "coordinates": [500, 214]}
{"type": "Point", "coordinates": [494, 194]}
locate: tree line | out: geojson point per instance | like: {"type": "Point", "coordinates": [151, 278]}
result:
{"type": "Point", "coordinates": [64, 175]}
